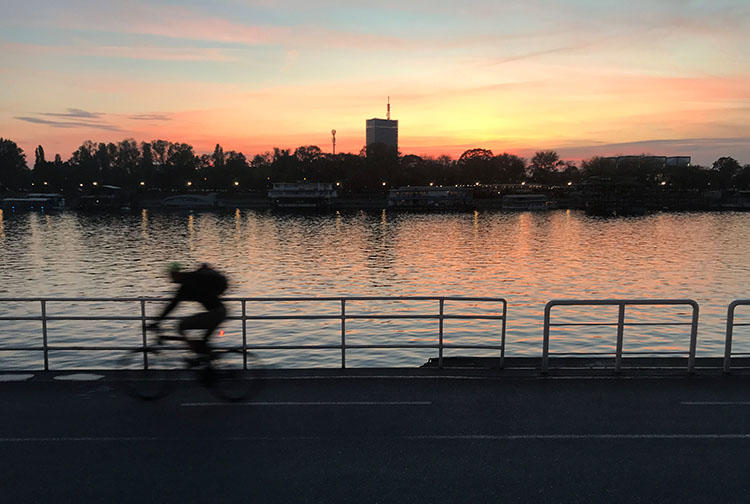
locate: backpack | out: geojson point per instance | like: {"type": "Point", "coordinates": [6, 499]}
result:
{"type": "Point", "coordinates": [213, 282]}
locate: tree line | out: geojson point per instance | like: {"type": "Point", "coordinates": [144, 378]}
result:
{"type": "Point", "coordinates": [172, 166]}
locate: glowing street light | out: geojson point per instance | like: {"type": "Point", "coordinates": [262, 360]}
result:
{"type": "Point", "coordinates": [189, 183]}
{"type": "Point", "coordinates": [143, 183]}
{"type": "Point", "coordinates": [570, 183]}
{"type": "Point", "coordinates": [95, 183]}
{"type": "Point", "coordinates": [236, 183]}
{"type": "Point", "coordinates": [383, 184]}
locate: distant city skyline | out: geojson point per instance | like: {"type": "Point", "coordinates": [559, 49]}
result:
{"type": "Point", "coordinates": [583, 77]}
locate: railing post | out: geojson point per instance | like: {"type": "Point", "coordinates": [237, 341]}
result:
{"type": "Point", "coordinates": [143, 333]}
{"type": "Point", "coordinates": [244, 335]}
{"type": "Point", "coordinates": [343, 333]}
{"type": "Point", "coordinates": [693, 338]}
{"type": "Point", "coordinates": [545, 341]}
{"type": "Point", "coordinates": [620, 331]}
{"type": "Point", "coordinates": [44, 335]}
{"type": "Point", "coordinates": [728, 341]}
{"type": "Point", "coordinates": [440, 342]}
{"type": "Point", "coordinates": [502, 341]}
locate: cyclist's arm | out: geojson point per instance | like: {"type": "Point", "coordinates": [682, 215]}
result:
{"type": "Point", "coordinates": [178, 297]}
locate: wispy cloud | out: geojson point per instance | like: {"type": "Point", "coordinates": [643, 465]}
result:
{"type": "Point", "coordinates": [71, 118]}
{"type": "Point", "coordinates": [150, 117]}
{"type": "Point", "coordinates": [73, 113]}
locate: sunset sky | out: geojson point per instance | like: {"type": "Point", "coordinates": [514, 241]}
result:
{"type": "Point", "coordinates": [583, 77]}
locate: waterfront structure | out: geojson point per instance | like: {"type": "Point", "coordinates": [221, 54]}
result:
{"type": "Point", "coordinates": [382, 131]}
{"type": "Point", "coordinates": [427, 197]}
{"type": "Point", "coordinates": [302, 195]}
{"type": "Point", "coordinates": [105, 197]}
{"type": "Point", "coordinates": [45, 202]}
{"type": "Point", "coordinates": [526, 202]}
{"type": "Point", "coordinates": [190, 201]}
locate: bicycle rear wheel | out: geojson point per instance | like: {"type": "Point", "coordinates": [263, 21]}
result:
{"type": "Point", "coordinates": [141, 383]}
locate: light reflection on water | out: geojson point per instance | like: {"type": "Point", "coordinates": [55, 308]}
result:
{"type": "Point", "coordinates": [527, 258]}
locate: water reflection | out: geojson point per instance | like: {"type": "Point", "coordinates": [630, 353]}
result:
{"type": "Point", "coordinates": [526, 258]}
{"type": "Point", "coordinates": [191, 232]}
{"type": "Point", "coordinates": [144, 223]}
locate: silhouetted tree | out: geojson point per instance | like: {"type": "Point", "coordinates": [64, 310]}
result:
{"type": "Point", "coordinates": [14, 174]}
{"type": "Point", "coordinates": [476, 165]}
{"type": "Point", "coordinates": [544, 167]}
{"type": "Point", "coordinates": [727, 168]}
{"type": "Point", "coordinates": [237, 170]}
{"type": "Point", "coordinates": [742, 179]}
{"type": "Point", "coordinates": [511, 169]}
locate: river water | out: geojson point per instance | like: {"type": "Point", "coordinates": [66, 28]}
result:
{"type": "Point", "coordinates": [525, 258]}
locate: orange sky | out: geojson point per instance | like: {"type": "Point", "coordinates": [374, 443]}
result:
{"type": "Point", "coordinates": [585, 78]}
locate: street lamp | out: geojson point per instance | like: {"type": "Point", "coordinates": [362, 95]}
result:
{"type": "Point", "coordinates": [143, 183]}
{"type": "Point", "coordinates": [189, 183]}
{"type": "Point", "coordinates": [236, 183]}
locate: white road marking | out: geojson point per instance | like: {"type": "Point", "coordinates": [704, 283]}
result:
{"type": "Point", "coordinates": [715, 403]}
{"type": "Point", "coordinates": [448, 437]}
{"type": "Point", "coordinates": [312, 403]}
{"type": "Point", "coordinates": [15, 377]}
{"type": "Point", "coordinates": [79, 377]}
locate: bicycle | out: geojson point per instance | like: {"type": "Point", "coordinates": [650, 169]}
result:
{"type": "Point", "coordinates": [152, 372]}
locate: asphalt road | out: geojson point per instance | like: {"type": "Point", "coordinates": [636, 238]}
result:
{"type": "Point", "coordinates": [412, 439]}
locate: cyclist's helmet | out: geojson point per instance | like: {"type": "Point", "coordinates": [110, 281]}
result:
{"type": "Point", "coordinates": [174, 267]}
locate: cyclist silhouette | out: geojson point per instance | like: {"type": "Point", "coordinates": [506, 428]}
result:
{"type": "Point", "coordinates": [203, 285]}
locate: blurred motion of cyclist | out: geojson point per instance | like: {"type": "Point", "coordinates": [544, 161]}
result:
{"type": "Point", "coordinates": [203, 285]}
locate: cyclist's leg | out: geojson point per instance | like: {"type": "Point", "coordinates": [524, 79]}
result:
{"type": "Point", "coordinates": [209, 321]}
{"type": "Point", "coordinates": [214, 318]}
{"type": "Point", "coordinates": [197, 321]}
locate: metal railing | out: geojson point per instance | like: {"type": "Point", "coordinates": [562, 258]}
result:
{"type": "Point", "coordinates": [621, 304]}
{"type": "Point", "coordinates": [440, 316]}
{"type": "Point", "coordinates": [730, 329]}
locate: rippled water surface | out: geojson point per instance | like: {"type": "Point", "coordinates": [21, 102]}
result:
{"type": "Point", "coordinates": [526, 258]}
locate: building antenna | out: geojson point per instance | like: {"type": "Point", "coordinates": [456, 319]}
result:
{"type": "Point", "coordinates": [388, 115]}
{"type": "Point", "coordinates": [333, 136]}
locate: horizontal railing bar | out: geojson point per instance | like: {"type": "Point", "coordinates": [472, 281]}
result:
{"type": "Point", "coordinates": [617, 302]}
{"type": "Point", "coordinates": [362, 317]}
{"type": "Point", "coordinates": [657, 352]}
{"type": "Point", "coordinates": [551, 354]}
{"type": "Point", "coordinates": [656, 323]}
{"type": "Point", "coordinates": [63, 348]}
{"type": "Point", "coordinates": [256, 317]}
{"type": "Point", "coordinates": [331, 347]}
{"type": "Point", "coordinates": [264, 299]}
{"type": "Point", "coordinates": [558, 324]}
{"type": "Point", "coordinates": [476, 347]}
{"type": "Point", "coordinates": [257, 347]}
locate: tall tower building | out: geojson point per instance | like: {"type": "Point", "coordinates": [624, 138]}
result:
{"type": "Point", "coordinates": [384, 131]}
